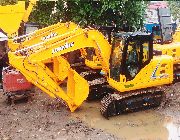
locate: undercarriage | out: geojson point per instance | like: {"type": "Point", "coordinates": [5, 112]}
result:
{"type": "Point", "coordinates": [119, 103]}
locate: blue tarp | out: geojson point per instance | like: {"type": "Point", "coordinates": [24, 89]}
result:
{"type": "Point", "coordinates": [148, 27]}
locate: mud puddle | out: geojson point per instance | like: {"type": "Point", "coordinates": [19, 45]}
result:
{"type": "Point", "coordinates": [144, 125]}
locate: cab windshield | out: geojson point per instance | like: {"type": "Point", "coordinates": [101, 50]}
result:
{"type": "Point", "coordinates": [116, 59]}
{"type": "Point", "coordinates": [129, 56]}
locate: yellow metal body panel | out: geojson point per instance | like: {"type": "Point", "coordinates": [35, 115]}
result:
{"type": "Point", "coordinates": [158, 72]}
{"type": "Point", "coordinates": [176, 36]}
{"type": "Point", "coordinates": [95, 64]}
{"type": "Point", "coordinates": [12, 15]}
{"type": "Point", "coordinates": [172, 49]}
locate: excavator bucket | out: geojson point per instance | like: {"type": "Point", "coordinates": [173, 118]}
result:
{"type": "Point", "coordinates": [12, 15]}
{"type": "Point", "coordinates": [77, 89]}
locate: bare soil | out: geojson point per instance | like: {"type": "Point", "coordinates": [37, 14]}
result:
{"type": "Point", "coordinates": [45, 118]}
{"type": "Point", "coordinates": [171, 103]}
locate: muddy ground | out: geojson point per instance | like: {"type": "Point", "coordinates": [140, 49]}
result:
{"type": "Point", "coordinates": [171, 103]}
{"type": "Point", "coordinates": [44, 119]}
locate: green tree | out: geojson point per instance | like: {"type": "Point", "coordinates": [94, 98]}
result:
{"type": "Point", "coordinates": [42, 13]}
{"type": "Point", "coordinates": [6, 2]}
{"type": "Point", "coordinates": [103, 12]}
{"type": "Point", "coordinates": [128, 11]}
{"type": "Point", "coordinates": [175, 9]}
{"type": "Point", "coordinates": [88, 12]}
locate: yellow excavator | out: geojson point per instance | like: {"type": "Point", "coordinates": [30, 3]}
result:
{"type": "Point", "coordinates": [171, 49]}
{"type": "Point", "coordinates": [169, 44]}
{"type": "Point", "coordinates": [133, 76]}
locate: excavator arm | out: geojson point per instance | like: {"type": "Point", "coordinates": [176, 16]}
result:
{"type": "Point", "coordinates": [32, 63]}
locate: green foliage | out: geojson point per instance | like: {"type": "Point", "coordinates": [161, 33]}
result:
{"type": "Point", "coordinates": [88, 12]}
{"type": "Point", "coordinates": [42, 13]}
{"type": "Point", "coordinates": [60, 14]}
{"type": "Point", "coordinates": [6, 2]}
{"type": "Point", "coordinates": [105, 12]}
{"type": "Point", "coordinates": [175, 9]}
{"type": "Point", "coordinates": [128, 11]}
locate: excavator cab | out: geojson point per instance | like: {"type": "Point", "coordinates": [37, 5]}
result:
{"type": "Point", "coordinates": [135, 75]}
{"type": "Point", "coordinates": [130, 53]}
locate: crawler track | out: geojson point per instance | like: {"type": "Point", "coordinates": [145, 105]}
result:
{"type": "Point", "coordinates": [118, 103]}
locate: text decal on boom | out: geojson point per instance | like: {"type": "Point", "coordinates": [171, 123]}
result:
{"type": "Point", "coordinates": [66, 46]}
{"type": "Point", "coordinates": [51, 35]}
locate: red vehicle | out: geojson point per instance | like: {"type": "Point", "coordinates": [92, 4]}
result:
{"type": "Point", "coordinates": [15, 85]}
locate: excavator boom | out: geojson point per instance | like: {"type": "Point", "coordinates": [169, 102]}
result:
{"type": "Point", "coordinates": [41, 35]}
{"type": "Point", "coordinates": [55, 31]}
